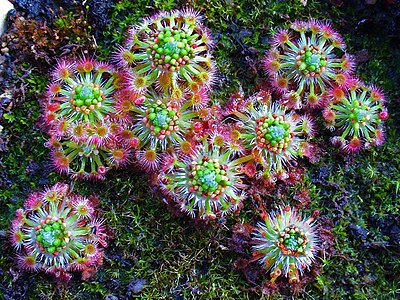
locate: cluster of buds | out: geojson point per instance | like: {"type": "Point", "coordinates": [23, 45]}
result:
{"type": "Point", "coordinates": [58, 232]}
{"type": "Point", "coordinates": [162, 119]}
{"type": "Point", "coordinates": [171, 48]}
{"type": "Point", "coordinates": [357, 111]}
{"type": "Point", "coordinates": [87, 97]}
{"type": "Point", "coordinates": [208, 178]}
{"type": "Point", "coordinates": [311, 61]}
{"type": "Point", "coordinates": [285, 244]}
{"type": "Point", "coordinates": [305, 61]}
{"type": "Point", "coordinates": [292, 241]}
{"type": "Point", "coordinates": [170, 52]}
{"type": "Point", "coordinates": [51, 235]}
{"type": "Point", "coordinates": [273, 133]}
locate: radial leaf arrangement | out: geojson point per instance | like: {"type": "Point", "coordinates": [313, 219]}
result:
{"type": "Point", "coordinates": [207, 183]}
{"type": "Point", "coordinates": [306, 60]}
{"type": "Point", "coordinates": [273, 136]}
{"type": "Point", "coordinates": [357, 112]}
{"type": "Point", "coordinates": [286, 243]}
{"type": "Point", "coordinates": [86, 131]}
{"type": "Point", "coordinates": [161, 123]}
{"type": "Point", "coordinates": [81, 91]}
{"type": "Point", "coordinates": [54, 233]}
{"type": "Point", "coordinates": [170, 52]}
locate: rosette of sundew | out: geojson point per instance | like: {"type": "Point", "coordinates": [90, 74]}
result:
{"type": "Point", "coordinates": [285, 243]}
{"type": "Point", "coordinates": [273, 136]}
{"type": "Point", "coordinates": [54, 233]}
{"type": "Point", "coordinates": [207, 183]}
{"type": "Point", "coordinates": [161, 123]}
{"type": "Point", "coordinates": [81, 91]}
{"type": "Point", "coordinates": [170, 52]}
{"type": "Point", "coordinates": [305, 61]}
{"type": "Point", "coordinates": [356, 113]}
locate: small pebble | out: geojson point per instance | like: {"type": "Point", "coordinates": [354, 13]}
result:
{"type": "Point", "coordinates": [136, 285]}
{"type": "Point", "coordinates": [6, 6]}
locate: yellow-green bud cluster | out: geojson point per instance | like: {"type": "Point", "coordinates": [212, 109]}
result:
{"type": "Point", "coordinates": [273, 133]}
{"type": "Point", "coordinates": [87, 97]}
{"type": "Point", "coordinates": [170, 49]}
{"type": "Point", "coordinates": [51, 235]}
{"type": "Point", "coordinates": [311, 61]}
{"type": "Point", "coordinates": [161, 119]}
{"type": "Point", "coordinates": [208, 178]}
{"type": "Point", "coordinates": [359, 114]}
{"type": "Point", "coordinates": [292, 241]}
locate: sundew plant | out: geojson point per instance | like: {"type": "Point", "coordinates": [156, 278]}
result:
{"type": "Point", "coordinates": [81, 91]}
{"type": "Point", "coordinates": [205, 183]}
{"type": "Point", "coordinates": [273, 136]}
{"type": "Point", "coordinates": [170, 51]}
{"type": "Point", "coordinates": [54, 233]}
{"type": "Point", "coordinates": [285, 243]}
{"type": "Point", "coordinates": [306, 60]}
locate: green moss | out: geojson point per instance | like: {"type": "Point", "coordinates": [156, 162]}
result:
{"type": "Point", "coordinates": [25, 148]}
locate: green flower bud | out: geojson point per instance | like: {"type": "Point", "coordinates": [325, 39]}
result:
{"type": "Point", "coordinates": [302, 66]}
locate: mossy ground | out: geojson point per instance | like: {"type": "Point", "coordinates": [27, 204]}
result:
{"type": "Point", "coordinates": [180, 260]}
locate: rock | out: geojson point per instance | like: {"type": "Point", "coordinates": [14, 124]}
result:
{"type": "Point", "coordinates": [6, 101]}
{"type": "Point", "coordinates": [6, 6]}
{"type": "Point", "coordinates": [43, 10]}
{"type": "Point", "coordinates": [361, 56]}
{"type": "Point", "coordinates": [395, 235]}
{"type": "Point", "coordinates": [245, 33]}
{"type": "Point", "coordinates": [358, 233]}
{"type": "Point", "coordinates": [265, 40]}
{"type": "Point", "coordinates": [136, 285]}
{"type": "Point", "coordinates": [99, 11]}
